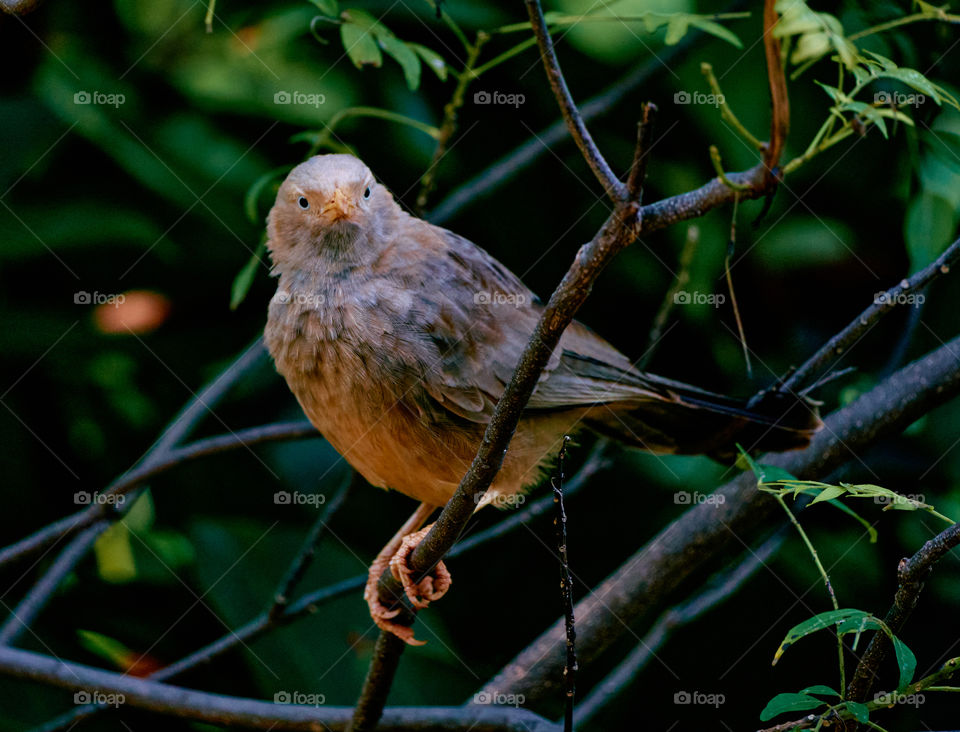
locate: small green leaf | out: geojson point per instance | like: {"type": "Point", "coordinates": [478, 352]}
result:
{"type": "Point", "coordinates": [327, 7]}
{"type": "Point", "coordinates": [906, 661]}
{"type": "Point", "coordinates": [360, 45]}
{"type": "Point", "coordinates": [105, 647]}
{"type": "Point", "coordinates": [783, 703]}
{"type": "Point", "coordinates": [828, 619]}
{"type": "Point", "coordinates": [860, 712]}
{"type": "Point", "coordinates": [829, 493]}
{"type": "Point", "coordinates": [850, 512]}
{"type": "Point", "coordinates": [716, 30]}
{"type": "Point", "coordinates": [676, 29]}
{"type": "Point", "coordinates": [432, 59]}
{"type": "Point", "coordinates": [244, 278]}
{"type": "Point", "coordinates": [404, 56]}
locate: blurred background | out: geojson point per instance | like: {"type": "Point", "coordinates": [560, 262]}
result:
{"type": "Point", "coordinates": [125, 223]}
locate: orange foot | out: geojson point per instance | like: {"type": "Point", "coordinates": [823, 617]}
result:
{"type": "Point", "coordinates": [421, 594]}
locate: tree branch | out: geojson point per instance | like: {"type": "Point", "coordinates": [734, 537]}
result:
{"type": "Point", "coordinates": [707, 531]}
{"type": "Point", "coordinates": [912, 573]}
{"type": "Point", "coordinates": [616, 191]}
{"type": "Point", "coordinates": [229, 710]}
{"type": "Point", "coordinates": [882, 304]}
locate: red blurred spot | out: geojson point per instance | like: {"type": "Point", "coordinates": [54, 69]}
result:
{"type": "Point", "coordinates": [137, 311]}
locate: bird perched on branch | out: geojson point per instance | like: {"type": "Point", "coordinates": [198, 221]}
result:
{"type": "Point", "coordinates": [398, 337]}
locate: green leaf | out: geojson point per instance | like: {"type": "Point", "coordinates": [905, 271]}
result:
{"type": "Point", "coordinates": [906, 661]}
{"type": "Point", "coordinates": [820, 689]}
{"type": "Point", "coordinates": [929, 226]}
{"type": "Point", "coordinates": [327, 7]}
{"type": "Point", "coordinates": [860, 712]}
{"type": "Point", "coordinates": [105, 647]}
{"type": "Point", "coordinates": [945, 146]}
{"type": "Point", "coordinates": [716, 30]}
{"type": "Point", "coordinates": [676, 29]}
{"type": "Point", "coordinates": [432, 59]}
{"type": "Point", "coordinates": [256, 188]}
{"type": "Point", "coordinates": [828, 619]}
{"type": "Point", "coordinates": [114, 553]}
{"type": "Point", "coordinates": [829, 493]}
{"type": "Point", "coordinates": [783, 703]}
{"type": "Point", "coordinates": [360, 44]}
{"type": "Point", "coordinates": [244, 279]}
{"type": "Point", "coordinates": [404, 56]}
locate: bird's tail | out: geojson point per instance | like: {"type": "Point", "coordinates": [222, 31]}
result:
{"type": "Point", "coordinates": [691, 421]}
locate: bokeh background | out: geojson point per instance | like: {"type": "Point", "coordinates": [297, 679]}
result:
{"type": "Point", "coordinates": [149, 199]}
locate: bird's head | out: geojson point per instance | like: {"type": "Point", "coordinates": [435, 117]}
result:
{"type": "Point", "coordinates": [329, 210]}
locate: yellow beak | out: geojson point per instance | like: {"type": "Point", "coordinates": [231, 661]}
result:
{"type": "Point", "coordinates": [339, 207]}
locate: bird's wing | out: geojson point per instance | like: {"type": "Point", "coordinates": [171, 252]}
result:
{"type": "Point", "coordinates": [475, 318]}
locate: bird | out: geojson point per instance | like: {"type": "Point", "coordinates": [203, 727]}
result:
{"type": "Point", "coordinates": [397, 338]}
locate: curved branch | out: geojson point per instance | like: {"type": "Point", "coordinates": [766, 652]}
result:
{"type": "Point", "coordinates": [229, 710]}
{"type": "Point", "coordinates": [568, 109]}
{"type": "Point", "coordinates": [706, 531]}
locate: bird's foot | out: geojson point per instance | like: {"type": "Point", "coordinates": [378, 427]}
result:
{"type": "Point", "coordinates": [431, 587]}
{"type": "Point", "coordinates": [421, 594]}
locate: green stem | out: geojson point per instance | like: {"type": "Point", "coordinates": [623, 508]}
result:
{"type": "Point", "coordinates": [452, 25]}
{"type": "Point", "coordinates": [721, 173]}
{"type": "Point", "coordinates": [449, 124]}
{"type": "Point", "coordinates": [725, 110]}
{"type": "Point", "coordinates": [508, 54]}
{"type": "Point", "coordinates": [823, 573]}
{"type": "Point", "coordinates": [556, 20]}
{"type": "Point", "coordinates": [945, 17]}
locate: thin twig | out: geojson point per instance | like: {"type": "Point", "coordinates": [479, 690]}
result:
{"type": "Point", "coordinates": [23, 615]}
{"type": "Point", "coordinates": [779, 99]}
{"type": "Point", "coordinates": [690, 243]}
{"type": "Point", "coordinates": [301, 562]}
{"type": "Point", "coordinates": [641, 153]}
{"type": "Point", "coordinates": [566, 591]}
{"type": "Point", "coordinates": [568, 109]}
{"type": "Point", "coordinates": [883, 303]}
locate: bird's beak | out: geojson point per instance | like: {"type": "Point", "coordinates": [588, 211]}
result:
{"type": "Point", "coordinates": [339, 207]}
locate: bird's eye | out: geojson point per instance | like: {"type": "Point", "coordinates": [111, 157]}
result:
{"type": "Point", "coordinates": [366, 193]}
{"type": "Point", "coordinates": [304, 203]}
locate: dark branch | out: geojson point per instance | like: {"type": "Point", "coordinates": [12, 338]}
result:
{"type": "Point", "coordinates": [912, 573]}
{"type": "Point", "coordinates": [705, 532]}
{"type": "Point", "coordinates": [235, 711]}
{"type": "Point", "coordinates": [568, 108]}
{"type": "Point", "coordinates": [882, 304]}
